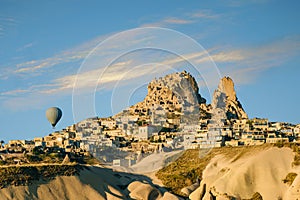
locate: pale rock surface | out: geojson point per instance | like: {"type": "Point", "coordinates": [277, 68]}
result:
{"type": "Point", "coordinates": [242, 176]}
{"type": "Point", "coordinates": [139, 190]}
{"type": "Point", "coordinates": [175, 93]}
{"type": "Point", "coordinates": [293, 191]}
{"type": "Point", "coordinates": [225, 98]}
{"type": "Point", "coordinates": [189, 189]}
{"type": "Point", "coordinates": [92, 183]}
{"type": "Point", "coordinates": [170, 196]}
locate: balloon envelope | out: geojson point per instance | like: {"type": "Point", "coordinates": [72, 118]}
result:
{"type": "Point", "coordinates": [53, 115]}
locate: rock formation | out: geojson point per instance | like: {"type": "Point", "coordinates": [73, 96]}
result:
{"type": "Point", "coordinates": [91, 182]}
{"type": "Point", "coordinates": [176, 94]}
{"type": "Point", "coordinates": [225, 98]}
{"type": "Point", "coordinates": [253, 174]}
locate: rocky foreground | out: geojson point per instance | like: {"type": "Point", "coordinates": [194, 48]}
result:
{"type": "Point", "coordinates": [269, 174]}
{"type": "Point", "coordinates": [259, 172]}
{"type": "Point", "coordinates": [76, 182]}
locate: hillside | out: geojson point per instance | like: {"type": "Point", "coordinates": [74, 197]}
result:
{"type": "Point", "coordinates": [239, 172]}
{"type": "Point", "coordinates": [253, 172]}
{"type": "Point", "coordinates": [75, 182]}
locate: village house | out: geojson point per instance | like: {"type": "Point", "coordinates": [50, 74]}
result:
{"type": "Point", "coordinates": [239, 126]}
{"type": "Point", "coordinates": [109, 123]}
{"type": "Point", "coordinates": [191, 128]}
{"type": "Point", "coordinates": [260, 124]}
{"type": "Point", "coordinates": [39, 141]}
{"type": "Point", "coordinates": [297, 130]}
{"type": "Point", "coordinates": [20, 145]}
{"type": "Point", "coordinates": [145, 132]}
{"type": "Point", "coordinates": [273, 138]}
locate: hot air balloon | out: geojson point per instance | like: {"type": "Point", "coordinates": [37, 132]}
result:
{"type": "Point", "coordinates": [53, 115]}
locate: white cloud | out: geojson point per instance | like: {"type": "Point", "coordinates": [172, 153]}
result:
{"type": "Point", "coordinates": [241, 62]}
{"type": "Point", "coordinates": [31, 67]}
{"type": "Point", "coordinates": [37, 65]}
{"type": "Point", "coordinates": [186, 18]}
{"type": "Point", "coordinates": [245, 63]}
{"type": "Point", "coordinates": [204, 14]}
{"type": "Point", "coordinates": [26, 46]}
{"type": "Point", "coordinates": [14, 92]}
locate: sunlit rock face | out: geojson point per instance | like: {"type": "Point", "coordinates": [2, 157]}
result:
{"type": "Point", "coordinates": [176, 97]}
{"type": "Point", "coordinates": [225, 98]}
{"type": "Point", "coordinates": [174, 93]}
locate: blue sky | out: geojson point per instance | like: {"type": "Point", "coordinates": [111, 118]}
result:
{"type": "Point", "coordinates": [45, 44]}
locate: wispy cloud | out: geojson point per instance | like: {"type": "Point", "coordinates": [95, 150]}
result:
{"type": "Point", "coordinates": [168, 21]}
{"type": "Point", "coordinates": [173, 20]}
{"type": "Point", "coordinates": [6, 22]}
{"type": "Point", "coordinates": [236, 62]}
{"type": "Point", "coordinates": [186, 18]}
{"type": "Point", "coordinates": [26, 46]}
{"type": "Point", "coordinates": [204, 14]}
{"type": "Point", "coordinates": [238, 3]}
{"type": "Point", "coordinates": [241, 63]}
{"type": "Point", "coordinates": [36, 65]}
{"type": "Point", "coordinates": [40, 66]}
{"type": "Point", "coordinates": [89, 79]}
{"type": "Point", "coordinates": [14, 92]}
{"type": "Point", "coordinates": [33, 67]}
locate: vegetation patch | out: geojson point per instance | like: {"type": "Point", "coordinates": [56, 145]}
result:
{"type": "Point", "coordinates": [289, 179]}
{"type": "Point", "coordinates": [26, 175]}
{"type": "Point", "coordinates": [256, 196]}
{"type": "Point", "coordinates": [190, 165]}
{"type": "Point", "coordinates": [184, 171]}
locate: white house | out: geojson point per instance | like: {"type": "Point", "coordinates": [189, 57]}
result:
{"type": "Point", "coordinates": [145, 132]}
{"type": "Point", "coordinates": [188, 140]}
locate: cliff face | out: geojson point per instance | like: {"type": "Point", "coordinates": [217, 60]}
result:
{"type": "Point", "coordinates": [177, 96]}
{"type": "Point", "coordinates": [225, 98]}
{"type": "Point", "coordinates": [177, 92]}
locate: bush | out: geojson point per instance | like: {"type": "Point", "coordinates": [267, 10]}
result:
{"type": "Point", "coordinates": [256, 196]}
{"type": "Point", "coordinates": [33, 158]}
{"type": "Point", "coordinates": [25, 175]}
{"type": "Point", "coordinates": [289, 179]}
{"type": "Point", "coordinates": [183, 172]}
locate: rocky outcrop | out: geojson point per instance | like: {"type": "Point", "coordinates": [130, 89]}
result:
{"type": "Point", "coordinates": [89, 182]}
{"type": "Point", "coordinates": [225, 98]}
{"type": "Point", "coordinates": [251, 174]}
{"type": "Point", "coordinates": [176, 93]}
{"type": "Point", "coordinates": [140, 190]}
{"type": "Point", "coordinates": [176, 96]}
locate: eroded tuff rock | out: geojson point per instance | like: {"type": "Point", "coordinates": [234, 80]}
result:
{"type": "Point", "coordinates": [225, 98]}
{"type": "Point", "coordinates": [176, 96]}
{"type": "Point", "coordinates": [174, 93]}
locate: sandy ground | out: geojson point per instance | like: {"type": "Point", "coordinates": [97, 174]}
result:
{"type": "Point", "coordinates": [151, 163]}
